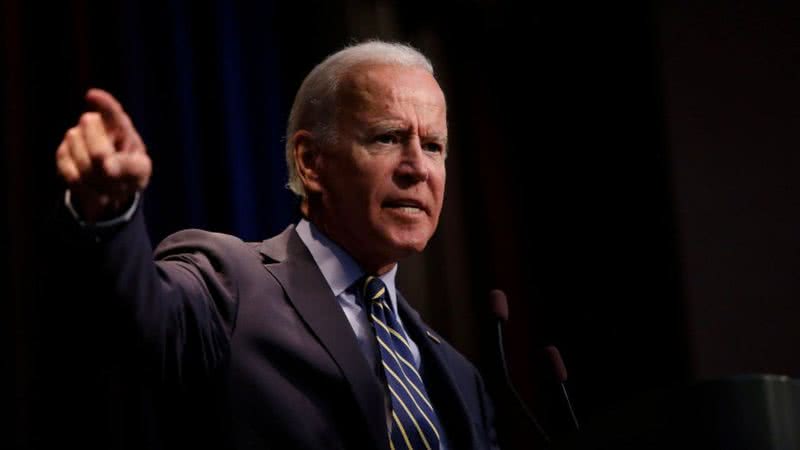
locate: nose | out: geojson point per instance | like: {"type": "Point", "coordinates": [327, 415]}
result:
{"type": "Point", "coordinates": [413, 167]}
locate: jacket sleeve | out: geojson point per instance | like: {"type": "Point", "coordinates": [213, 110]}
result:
{"type": "Point", "coordinates": [182, 303]}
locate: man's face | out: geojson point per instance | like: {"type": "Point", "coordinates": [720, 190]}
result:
{"type": "Point", "coordinates": [383, 181]}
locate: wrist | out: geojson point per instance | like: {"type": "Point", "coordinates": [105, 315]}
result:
{"type": "Point", "coordinates": [99, 216]}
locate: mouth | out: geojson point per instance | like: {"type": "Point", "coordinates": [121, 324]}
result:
{"type": "Point", "coordinates": [406, 206]}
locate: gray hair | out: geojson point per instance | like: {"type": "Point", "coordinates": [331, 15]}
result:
{"type": "Point", "coordinates": [314, 105]}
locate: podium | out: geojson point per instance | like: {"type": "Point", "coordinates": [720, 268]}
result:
{"type": "Point", "coordinates": [742, 412]}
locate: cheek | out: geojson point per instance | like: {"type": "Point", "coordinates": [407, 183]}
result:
{"type": "Point", "coordinates": [437, 186]}
{"type": "Point", "coordinates": [354, 185]}
{"type": "Point", "coordinates": [376, 186]}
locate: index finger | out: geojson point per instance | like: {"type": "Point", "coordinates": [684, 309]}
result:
{"type": "Point", "coordinates": [114, 117]}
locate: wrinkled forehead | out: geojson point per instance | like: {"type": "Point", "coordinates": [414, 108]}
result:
{"type": "Point", "coordinates": [370, 85]}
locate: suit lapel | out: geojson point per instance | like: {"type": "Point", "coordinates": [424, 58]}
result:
{"type": "Point", "coordinates": [451, 408]}
{"type": "Point", "coordinates": [308, 291]}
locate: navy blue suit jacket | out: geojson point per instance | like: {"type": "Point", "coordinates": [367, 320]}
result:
{"type": "Point", "coordinates": [256, 344]}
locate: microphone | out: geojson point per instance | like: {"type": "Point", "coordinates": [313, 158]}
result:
{"type": "Point", "coordinates": [499, 305]}
{"type": "Point", "coordinates": [560, 372]}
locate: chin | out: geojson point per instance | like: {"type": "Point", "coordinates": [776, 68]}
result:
{"type": "Point", "coordinates": [407, 243]}
{"type": "Point", "coordinates": [395, 247]}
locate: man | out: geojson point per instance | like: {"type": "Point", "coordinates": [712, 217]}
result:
{"type": "Point", "coordinates": [300, 341]}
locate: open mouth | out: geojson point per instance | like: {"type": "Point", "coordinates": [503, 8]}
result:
{"type": "Point", "coordinates": [406, 206]}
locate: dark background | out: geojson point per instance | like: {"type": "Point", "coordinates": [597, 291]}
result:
{"type": "Point", "coordinates": [626, 172]}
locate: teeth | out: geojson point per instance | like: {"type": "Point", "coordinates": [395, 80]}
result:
{"type": "Point", "coordinates": [409, 209]}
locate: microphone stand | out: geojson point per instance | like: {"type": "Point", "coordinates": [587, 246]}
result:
{"type": "Point", "coordinates": [513, 390]}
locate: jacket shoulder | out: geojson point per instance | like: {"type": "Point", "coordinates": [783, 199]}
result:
{"type": "Point", "coordinates": [213, 244]}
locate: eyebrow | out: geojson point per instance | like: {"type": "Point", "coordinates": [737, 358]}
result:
{"type": "Point", "coordinates": [400, 125]}
{"type": "Point", "coordinates": [438, 137]}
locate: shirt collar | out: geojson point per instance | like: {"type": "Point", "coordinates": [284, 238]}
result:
{"type": "Point", "coordinates": [338, 268]}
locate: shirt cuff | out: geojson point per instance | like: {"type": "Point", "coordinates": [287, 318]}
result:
{"type": "Point", "coordinates": [119, 220]}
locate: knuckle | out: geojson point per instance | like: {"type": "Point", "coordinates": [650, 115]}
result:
{"type": "Point", "coordinates": [66, 171]}
{"type": "Point", "coordinates": [95, 147]}
{"type": "Point", "coordinates": [64, 163]}
{"type": "Point", "coordinates": [88, 118]}
{"type": "Point", "coordinates": [96, 154]}
{"type": "Point", "coordinates": [70, 176]}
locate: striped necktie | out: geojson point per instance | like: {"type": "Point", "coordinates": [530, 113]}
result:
{"type": "Point", "coordinates": [414, 422]}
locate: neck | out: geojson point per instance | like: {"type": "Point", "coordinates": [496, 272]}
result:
{"type": "Point", "coordinates": [372, 264]}
{"type": "Point", "coordinates": [382, 270]}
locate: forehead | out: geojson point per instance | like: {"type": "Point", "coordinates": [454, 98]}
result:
{"type": "Point", "coordinates": [378, 88]}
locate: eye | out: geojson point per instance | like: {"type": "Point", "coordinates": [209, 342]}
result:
{"type": "Point", "coordinates": [433, 147]}
{"type": "Point", "coordinates": [386, 138]}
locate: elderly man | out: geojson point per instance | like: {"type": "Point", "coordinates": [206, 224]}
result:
{"type": "Point", "coordinates": [300, 341]}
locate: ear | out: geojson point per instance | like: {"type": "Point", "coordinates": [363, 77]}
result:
{"type": "Point", "coordinates": [307, 159]}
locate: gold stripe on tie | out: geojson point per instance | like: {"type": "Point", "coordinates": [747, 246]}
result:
{"type": "Point", "coordinates": [399, 359]}
{"type": "Point", "coordinates": [392, 331]}
{"type": "Point", "coordinates": [366, 284]}
{"type": "Point", "coordinates": [411, 416]}
{"type": "Point", "coordinates": [405, 387]}
{"type": "Point", "coordinates": [379, 294]}
{"type": "Point", "coordinates": [402, 431]}
{"type": "Point", "coordinates": [410, 395]}
{"type": "Point", "coordinates": [424, 416]}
